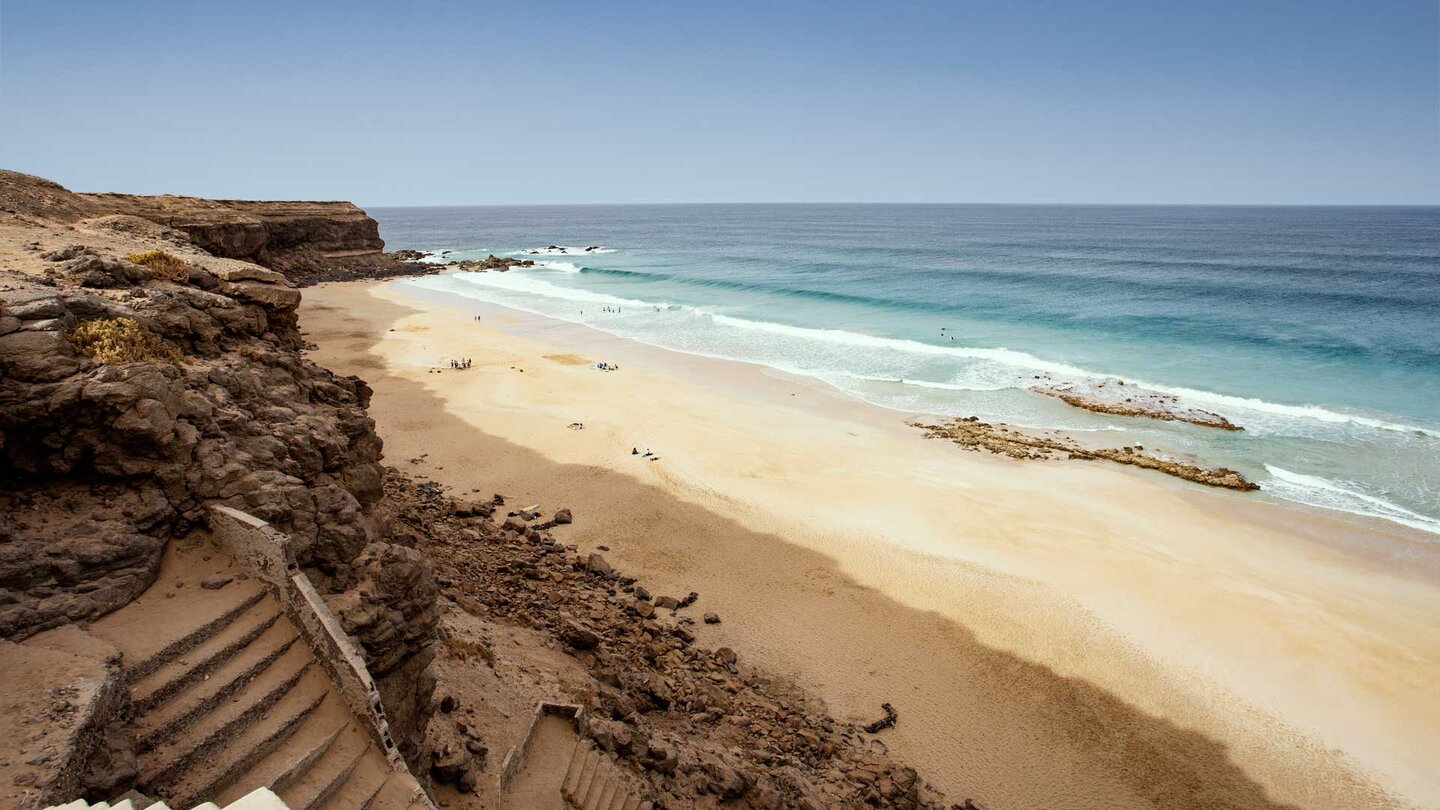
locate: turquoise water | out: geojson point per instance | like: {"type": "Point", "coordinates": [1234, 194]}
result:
{"type": "Point", "coordinates": [1317, 329]}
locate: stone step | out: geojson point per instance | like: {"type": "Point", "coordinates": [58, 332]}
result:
{"type": "Point", "coordinates": [575, 769]}
{"type": "Point", "coordinates": [231, 677]}
{"type": "Point", "coordinates": [268, 735]}
{"type": "Point", "coordinates": [589, 763]}
{"type": "Point", "coordinates": [598, 782]}
{"type": "Point", "coordinates": [152, 662]}
{"type": "Point", "coordinates": [607, 794]}
{"type": "Point", "coordinates": [400, 792]}
{"type": "Point", "coordinates": [283, 767]}
{"type": "Point", "coordinates": [323, 778]}
{"type": "Point", "coordinates": [214, 728]}
{"type": "Point", "coordinates": [229, 680]}
{"type": "Point", "coordinates": [363, 785]}
{"type": "Point", "coordinates": [172, 677]}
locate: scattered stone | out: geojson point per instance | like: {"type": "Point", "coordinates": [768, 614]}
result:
{"type": "Point", "coordinates": [712, 618]}
{"type": "Point", "coordinates": [215, 582]}
{"type": "Point", "coordinates": [563, 517]}
{"type": "Point", "coordinates": [596, 565]}
{"type": "Point", "coordinates": [579, 636]}
{"type": "Point", "coordinates": [888, 721]}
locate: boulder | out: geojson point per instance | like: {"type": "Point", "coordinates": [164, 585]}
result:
{"type": "Point", "coordinates": [596, 564]}
{"type": "Point", "coordinates": [579, 636]}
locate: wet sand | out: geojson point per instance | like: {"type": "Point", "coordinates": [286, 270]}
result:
{"type": "Point", "coordinates": [1055, 635]}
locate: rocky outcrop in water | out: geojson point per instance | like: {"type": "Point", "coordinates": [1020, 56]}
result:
{"type": "Point", "coordinates": [491, 262]}
{"type": "Point", "coordinates": [1114, 397]}
{"type": "Point", "coordinates": [973, 434]}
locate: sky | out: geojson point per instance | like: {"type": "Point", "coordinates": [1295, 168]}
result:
{"type": "Point", "coordinates": [431, 103]}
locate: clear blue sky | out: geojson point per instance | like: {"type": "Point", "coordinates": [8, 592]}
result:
{"type": "Point", "coordinates": [392, 103]}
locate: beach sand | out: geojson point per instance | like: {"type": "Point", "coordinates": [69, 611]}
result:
{"type": "Point", "coordinates": [1052, 634]}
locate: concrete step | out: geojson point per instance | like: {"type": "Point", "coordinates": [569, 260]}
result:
{"type": "Point", "coordinates": [267, 735]}
{"type": "Point", "coordinates": [284, 766]}
{"type": "Point", "coordinates": [598, 782]}
{"type": "Point", "coordinates": [172, 677]}
{"type": "Point", "coordinates": [589, 763]}
{"type": "Point", "coordinates": [398, 793]}
{"type": "Point", "coordinates": [202, 696]}
{"type": "Point", "coordinates": [326, 776]}
{"type": "Point", "coordinates": [575, 769]}
{"type": "Point", "coordinates": [230, 609]}
{"type": "Point", "coordinates": [607, 794]}
{"type": "Point", "coordinates": [363, 785]}
{"type": "Point", "coordinates": [222, 722]}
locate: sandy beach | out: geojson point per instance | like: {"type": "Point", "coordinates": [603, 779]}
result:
{"type": "Point", "coordinates": [1058, 635]}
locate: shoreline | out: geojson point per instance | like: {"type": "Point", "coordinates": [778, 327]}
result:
{"type": "Point", "coordinates": [964, 561]}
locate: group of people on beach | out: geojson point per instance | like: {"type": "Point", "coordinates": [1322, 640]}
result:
{"type": "Point", "coordinates": [603, 366]}
{"type": "Point", "coordinates": [460, 363]}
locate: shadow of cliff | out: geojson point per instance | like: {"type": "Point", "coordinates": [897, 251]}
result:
{"type": "Point", "coordinates": [1022, 734]}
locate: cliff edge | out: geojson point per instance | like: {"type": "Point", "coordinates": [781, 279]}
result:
{"type": "Point", "coordinates": [305, 240]}
{"type": "Point", "coordinates": [144, 379]}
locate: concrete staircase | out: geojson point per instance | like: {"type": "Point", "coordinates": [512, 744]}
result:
{"type": "Point", "coordinates": [228, 698]}
{"type": "Point", "coordinates": [593, 782]}
{"type": "Point", "coordinates": [257, 799]}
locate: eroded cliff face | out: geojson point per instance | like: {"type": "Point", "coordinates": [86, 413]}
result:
{"type": "Point", "coordinates": [132, 399]}
{"type": "Point", "coordinates": [302, 239]}
{"type": "Point", "coordinates": [296, 238]}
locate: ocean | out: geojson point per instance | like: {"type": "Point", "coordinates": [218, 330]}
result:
{"type": "Point", "coordinates": [1317, 329]}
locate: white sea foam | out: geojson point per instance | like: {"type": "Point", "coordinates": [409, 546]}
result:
{"type": "Point", "coordinates": [847, 338]}
{"type": "Point", "coordinates": [1329, 494]}
{"type": "Point", "coordinates": [562, 250]}
{"type": "Point", "coordinates": [1024, 363]}
{"type": "Point", "coordinates": [1314, 412]}
{"type": "Point", "coordinates": [954, 385]}
{"type": "Point", "coordinates": [526, 283]}
{"type": "Point", "coordinates": [564, 267]}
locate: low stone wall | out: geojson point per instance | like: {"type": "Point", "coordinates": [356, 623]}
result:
{"type": "Point", "coordinates": [269, 556]}
{"type": "Point", "coordinates": [70, 685]}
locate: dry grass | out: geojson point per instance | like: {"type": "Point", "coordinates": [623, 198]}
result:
{"type": "Point", "coordinates": [120, 340]}
{"type": "Point", "coordinates": [169, 266]}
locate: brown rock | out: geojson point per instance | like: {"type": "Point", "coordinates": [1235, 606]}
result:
{"type": "Point", "coordinates": [579, 636]}
{"type": "Point", "coordinates": [596, 565]}
{"type": "Point", "coordinates": [216, 582]}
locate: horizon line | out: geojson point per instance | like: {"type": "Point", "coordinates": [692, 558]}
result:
{"type": "Point", "coordinates": [903, 202]}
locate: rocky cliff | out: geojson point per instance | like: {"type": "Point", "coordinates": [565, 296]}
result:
{"type": "Point", "coordinates": [301, 239]}
{"type": "Point", "coordinates": [142, 380]}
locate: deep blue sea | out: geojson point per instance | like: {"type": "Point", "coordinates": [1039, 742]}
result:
{"type": "Point", "coordinates": [1316, 328]}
